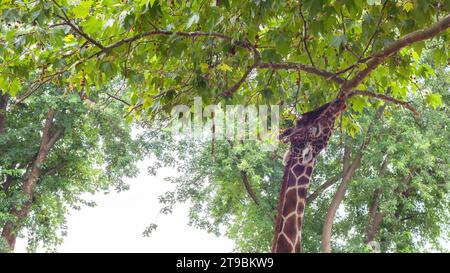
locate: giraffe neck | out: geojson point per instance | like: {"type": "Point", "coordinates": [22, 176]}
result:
{"type": "Point", "coordinates": [291, 207]}
{"type": "Point", "coordinates": [309, 136]}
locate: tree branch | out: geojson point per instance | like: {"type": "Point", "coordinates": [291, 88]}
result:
{"type": "Point", "coordinates": [55, 137]}
{"type": "Point", "coordinates": [376, 30]}
{"type": "Point", "coordinates": [67, 21]}
{"type": "Point", "coordinates": [305, 35]}
{"type": "Point", "coordinates": [81, 33]}
{"type": "Point", "coordinates": [31, 178]}
{"type": "Point", "coordinates": [31, 91]}
{"type": "Point", "coordinates": [55, 169]}
{"type": "Point", "coordinates": [178, 33]}
{"type": "Point", "coordinates": [248, 188]}
{"type": "Point", "coordinates": [360, 58]}
{"type": "Point", "coordinates": [307, 68]}
{"type": "Point", "coordinates": [330, 182]}
{"type": "Point", "coordinates": [405, 104]}
{"type": "Point", "coordinates": [283, 66]}
{"type": "Point", "coordinates": [238, 84]}
{"type": "Point", "coordinates": [377, 58]}
{"type": "Point", "coordinates": [117, 98]}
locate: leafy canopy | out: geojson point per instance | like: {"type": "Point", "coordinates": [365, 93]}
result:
{"type": "Point", "coordinates": [169, 51]}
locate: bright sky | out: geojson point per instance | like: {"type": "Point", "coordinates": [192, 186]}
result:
{"type": "Point", "coordinates": [117, 222]}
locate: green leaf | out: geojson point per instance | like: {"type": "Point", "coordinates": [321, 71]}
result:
{"type": "Point", "coordinates": [434, 100]}
{"type": "Point", "coordinates": [35, 14]}
{"type": "Point", "coordinates": [14, 87]}
{"type": "Point", "coordinates": [204, 67]}
{"type": "Point", "coordinates": [224, 67]}
{"type": "Point", "coordinates": [82, 10]}
{"type": "Point", "coordinates": [283, 43]}
{"type": "Point", "coordinates": [270, 55]}
{"type": "Point", "coordinates": [337, 41]}
{"type": "Point", "coordinates": [358, 103]}
{"type": "Point", "coordinates": [3, 84]}
{"type": "Point", "coordinates": [92, 25]}
{"type": "Point", "coordinates": [407, 6]}
{"type": "Point", "coordinates": [69, 39]}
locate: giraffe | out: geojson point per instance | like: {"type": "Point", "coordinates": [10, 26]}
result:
{"type": "Point", "coordinates": [308, 137]}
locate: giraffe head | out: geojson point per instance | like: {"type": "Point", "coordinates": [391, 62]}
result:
{"type": "Point", "coordinates": [313, 129]}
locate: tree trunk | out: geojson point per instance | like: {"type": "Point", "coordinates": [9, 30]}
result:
{"type": "Point", "coordinates": [375, 218]}
{"type": "Point", "coordinates": [374, 226]}
{"type": "Point", "coordinates": [346, 178]}
{"type": "Point", "coordinates": [50, 136]}
{"type": "Point", "coordinates": [3, 104]}
{"type": "Point", "coordinates": [338, 197]}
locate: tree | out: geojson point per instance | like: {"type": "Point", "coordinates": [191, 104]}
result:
{"type": "Point", "coordinates": [56, 146]}
{"type": "Point", "coordinates": [225, 51]}
{"type": "Point", "coordinates": [397, 195]}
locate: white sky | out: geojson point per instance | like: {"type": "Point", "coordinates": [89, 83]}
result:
{"type": "Point", "coordinates": [117, 222]}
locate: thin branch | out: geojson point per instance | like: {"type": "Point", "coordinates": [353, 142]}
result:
{"type": "Point", "coordinates": [307, 68]}
{"type": "Point", "coordinates": [377, 29]}
{"type": "Point", "coordinates": [383, 97]}
{"type": "Point", "coordinates": [32, 90]}
{"type": "Point", "coordinates": [237, 85]}
{"type": "Point", "coordinates": [81, 33]}
{"type": "Point", "coordinates": [283, 66]}
{"type": "Point", "coordinates": [379, 57]}
{"type": "Point", "coordinates": [352, 67]}
{"type": "Point", "coordinates": [179, 33]}
{"type": "Point", "coordinates": [55, 137]}
{"type": "Point", "coordinates": [68, 22]}
{"type": "Point", "coordinates": [117, 99]}
{"type": "Point", "coordinates": [305, 35]}
{"type": "Point", "coordinates": [72, 52]}
{"type": "Point", "coordinates": [322, 188]}
{"type": "Point", "coordinates": [248, 188]}
{"type": "Point", "coordinates": [349, 49]}
{"type": "Point", "coordinates": [66, 19]}
{"type": "Point", "coordinates": [56, 169]}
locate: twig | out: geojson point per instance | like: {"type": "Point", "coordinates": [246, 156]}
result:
{"type": "Point", "coordinates": [376, 29]}
{"type": "Point", "coordinates": [305, 35]}
{"type": "Point", "coordinates": [307, 68]}
{"type": "Point", "coordinates": [31, 91]}
{"type": "Point", "coordinates": [66, 19]}
{"type": "Point", "coordinates": [383, 97]}
{"type": "Point", "coordinates": [117, 99]}
{"type": "Point", "coordinates": [380, 18]}
{"type": "Point", "coordinates": [237, 85]}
